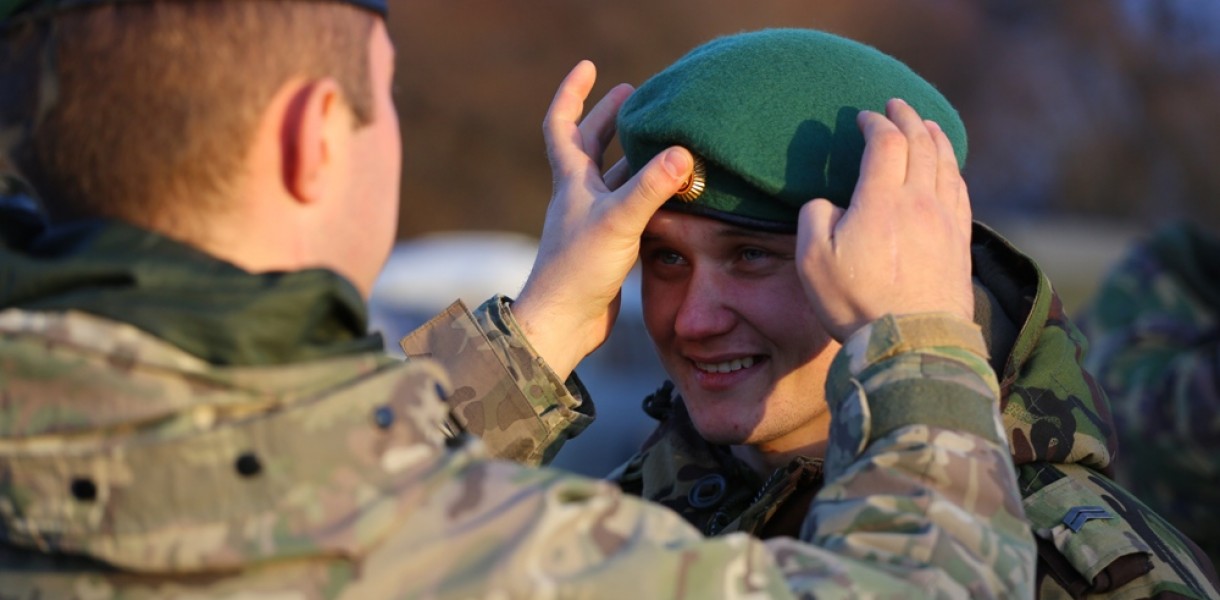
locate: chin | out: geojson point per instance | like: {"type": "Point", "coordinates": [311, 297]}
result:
{"type": "Point", "coordinates": [725, 434]}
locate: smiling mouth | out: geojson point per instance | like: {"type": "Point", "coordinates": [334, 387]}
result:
{"type": "Point", "coordinates": [736, 364]}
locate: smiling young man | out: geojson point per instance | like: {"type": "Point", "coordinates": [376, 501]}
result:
{"type": "Point", "coordinates": [737, 335]}
{"type": "Point", "coordinates": [744, 425]}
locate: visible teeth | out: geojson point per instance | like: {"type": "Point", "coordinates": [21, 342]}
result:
{"type": "Point", "coordinates": [726, 367]}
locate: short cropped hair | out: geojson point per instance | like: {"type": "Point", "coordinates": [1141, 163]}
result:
{"type": "Point", "coordinates": [158, 101]}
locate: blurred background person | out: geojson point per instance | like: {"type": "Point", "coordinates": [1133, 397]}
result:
{"type": "Point", "coordinates": [1154, 329]}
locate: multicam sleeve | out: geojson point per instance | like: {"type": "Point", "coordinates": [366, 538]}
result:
{"type": "Point", "coordinates": [918, 471]}
{"type": "Point", "coordinates": [918, 506]}
{"type": "Point", "coordinates": [504, 392]}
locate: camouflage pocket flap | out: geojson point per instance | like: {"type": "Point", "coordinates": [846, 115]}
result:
{"type": "Point", "coordinates": [1088, 534]}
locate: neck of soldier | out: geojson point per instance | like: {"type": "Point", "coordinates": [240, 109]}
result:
{"type": "Point", "coordinates": [254, 229]}
{"type": "Point", "coordinates": [765, 457]}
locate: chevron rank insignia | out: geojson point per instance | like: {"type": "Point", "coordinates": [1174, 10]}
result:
{"type": "Point", "coordinates": [1078, 516]}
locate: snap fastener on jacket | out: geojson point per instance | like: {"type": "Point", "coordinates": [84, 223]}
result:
{"type": "Point", "coordinates": [84, 489]}
{"type": "Point", "coordinates": [383, 416]}
{"type": "Point", "coordinates": [248, 465]}
{"type": "Point", "coordinates": [707, 491]}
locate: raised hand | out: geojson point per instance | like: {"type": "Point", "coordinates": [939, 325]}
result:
{"type": "Point", "coordinates": [903, 244]}
{"type": "Point", "coordinates": [591, 236]}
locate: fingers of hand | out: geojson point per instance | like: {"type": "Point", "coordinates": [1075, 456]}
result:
{"type": "Point", "coordinates": [817, 221]}
{"type": "Point", "coordinates": [597, 128]}
{"type": "Point", "coordinates": [815, 230]}
{"type": "Point", "coordinates": [565, 147]}
{"type": "Point", "coordinates": [884, 163]}
{"type": "Point", "coordinates": [949, 184]}
{"type": "Point", "coordinates": [821, 267]}
{"type": "Point", "coordinates": [921, 149]}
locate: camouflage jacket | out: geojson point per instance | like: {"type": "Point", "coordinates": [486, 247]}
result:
{"type": "Point", "coordinates": [131, 468]}
{"type": "Point", "coordinates": [847, 503]}
{"type": "Point", "coordinates": [1094, 537]}
{"type": "Point", "coordinates": [1154, 327]}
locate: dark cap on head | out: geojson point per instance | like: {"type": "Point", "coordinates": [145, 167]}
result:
{"type": "Point", "coordinates": [771, 114]}
{"type": "Point", "coordinates": [19, 9]}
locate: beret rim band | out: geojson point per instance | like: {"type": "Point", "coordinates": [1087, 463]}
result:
{"type": "Point", "coordinates": [747, 222]}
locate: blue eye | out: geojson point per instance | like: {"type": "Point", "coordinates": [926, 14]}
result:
{"type": "Point", "coordinates": [666, 257]}
{"type": "Point", "coordinates": [751, 254]}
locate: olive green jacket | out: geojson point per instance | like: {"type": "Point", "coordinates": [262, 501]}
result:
{"type": "Point", "coordinates": [1093, 536]}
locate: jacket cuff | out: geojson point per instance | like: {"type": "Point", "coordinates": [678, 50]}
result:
{"type": "Point", "coordinates": [503, 391]}
{"type": "Point", "coordinates": [926, 369]}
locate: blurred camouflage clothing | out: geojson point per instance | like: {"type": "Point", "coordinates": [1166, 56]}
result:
{"type": "Point", "coordinates": [1060, 432]}
{"type": "Point", "coordinates": [1154, 327]}
{"type": "Point", "coordinates": [133, 468]}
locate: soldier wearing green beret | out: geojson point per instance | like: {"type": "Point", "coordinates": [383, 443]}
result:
{"type": "Point", "coordinates": [745, 440]}
{"type": "Point", "coordinates": [192, 405]}
{"type": "Point", "coordinates": [877, 457]}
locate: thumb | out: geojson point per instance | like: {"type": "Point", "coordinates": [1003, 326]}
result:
{"type": "Point", "coordinates": [657, 182]}
{"type": "Point", "coordinates": [817, 221]}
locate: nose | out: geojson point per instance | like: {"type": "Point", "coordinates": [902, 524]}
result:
{"type": "Point", "coordinates": [705, 310]}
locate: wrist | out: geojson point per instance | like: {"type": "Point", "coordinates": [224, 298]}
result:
{"type": "Point", "coordinates": [552, 339]}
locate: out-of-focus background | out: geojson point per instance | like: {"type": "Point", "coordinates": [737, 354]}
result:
{"type": "Point", "coordinates": [1090, 123]}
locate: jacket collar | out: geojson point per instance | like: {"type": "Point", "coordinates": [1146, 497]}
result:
{"type": "Point", "coordinates": [205, 306]}
{"type": "Point", "coordinates": [1053, 409]}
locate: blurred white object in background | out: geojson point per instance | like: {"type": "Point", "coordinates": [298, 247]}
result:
{"type": "Point", "coordinates": [426, 274]}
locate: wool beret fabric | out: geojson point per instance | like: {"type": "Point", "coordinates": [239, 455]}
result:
{"type": "Point", "coordinates": [772, 115]}
{"type": "Point", "coordinates": [42, 8]}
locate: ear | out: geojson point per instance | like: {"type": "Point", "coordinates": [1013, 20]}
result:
{"type": "Point", "coordinates": [313, 138]}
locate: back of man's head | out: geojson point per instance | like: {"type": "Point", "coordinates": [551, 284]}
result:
{"type": "Point", "coordinates": [144, 110]}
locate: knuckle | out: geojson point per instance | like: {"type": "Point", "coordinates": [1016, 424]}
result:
{"type": "Point", "coordinates": [890, 140]}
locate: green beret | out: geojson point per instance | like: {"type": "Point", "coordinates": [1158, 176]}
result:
{"type": "Point", "coordinates": [41, 8]}
{"type": "Point", "coordinates": [771, 115]}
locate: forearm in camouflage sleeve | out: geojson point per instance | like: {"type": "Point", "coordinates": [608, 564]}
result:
{"type": "Point", "coordinates": [504, 393]}
{"type": "Point", "coordinates": [917, 448]}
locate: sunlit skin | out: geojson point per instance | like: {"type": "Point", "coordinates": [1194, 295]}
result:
{"type": "Point", "coordinates": [717, 298]}
{"type": "Point", "coordinates": [365, 221]}
{"type": "Point", "coordinates": [316, 191]}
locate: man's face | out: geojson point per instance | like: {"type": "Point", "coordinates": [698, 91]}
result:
{"type": "Point", "coordinates": [371, 213]}
{"type": "Point", "coordinates": [734, 330]}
